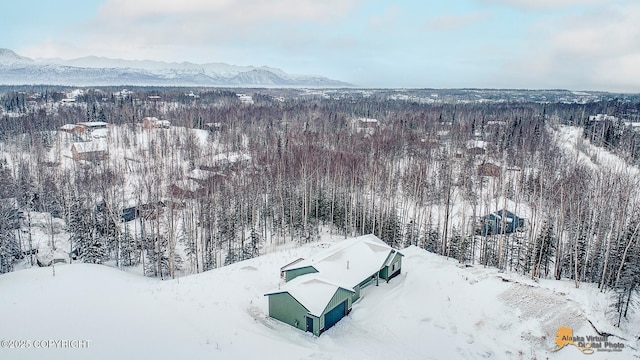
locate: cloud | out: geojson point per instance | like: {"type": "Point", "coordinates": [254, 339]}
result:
{"type": "Point", "coordinates": [620, 72]}
{"type": "Point", "coordinates": [613, 31]}
{"type": "Point", "coordinates": [199, 30]}
{"type": "Point", "coordinates": [545, 4]}
{"type": "Point", "coordinates": [229, 12]}
{"type": "Point", "coordinates": [597, 49]}
{"type": "Point", "coordinates": [454, 22]}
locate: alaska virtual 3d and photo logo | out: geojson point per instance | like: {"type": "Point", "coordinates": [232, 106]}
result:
{"type": "Point", "coordinates": [586, 344]}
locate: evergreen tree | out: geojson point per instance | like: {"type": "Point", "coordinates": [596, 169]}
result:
{"type": "Point", "coordinates": [545, 250]}
{"type": "Point", "coordinates": [84, 238]}
{"type": "Point", "coordinates": [9, 247]}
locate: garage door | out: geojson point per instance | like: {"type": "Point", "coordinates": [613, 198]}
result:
{"type": "Point", "coordinates": [335, 315]}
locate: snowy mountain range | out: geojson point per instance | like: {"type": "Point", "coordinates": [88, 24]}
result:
{"type": "Point", "coordinates": [92, 70]}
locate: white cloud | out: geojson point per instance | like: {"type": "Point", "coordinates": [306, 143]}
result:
{"type": "Point", "coordinates": [197, 30]}
{"type": "Point", "coordinates": [605, 32]}
{"type": "Point", "coordinates": [598, 50]}
{"type": "Point", "coordinates": [545, 4]}
{"type": "Point", "coordinates": [230, 12]}
{"type": "Point", "coordinates": [621, 72]}
{"type": "Point", "coordinates": [454, 21]}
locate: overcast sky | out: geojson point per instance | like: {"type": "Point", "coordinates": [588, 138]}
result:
{"type": "Point", "coordinates": [569, 44]}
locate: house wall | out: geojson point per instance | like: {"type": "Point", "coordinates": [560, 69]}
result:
{"type": "Point", "coordinates": [363, 284]}
{"type": "Point", "coordinates": [338, 298]}
{"type": "Point", "coordinates": [285, 308]}
{"type": "Point", "coordinates": [75, 153]}
{"type": "Point", "coordinates": [294, 273]}
{"type": "Point", "coordinates": [356, 295]}
{"type": "Point", "coordinates": [388, 272]}
{"type": "Point", "coordinates": [397, 269]}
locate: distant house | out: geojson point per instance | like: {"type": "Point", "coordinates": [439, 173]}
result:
{"type": "Point", "coordinates": [93, 125]}
{"type": "Point", "coordinates": [602, 117]}
{"type": "Point", "coordinates": [152, 122]}
{"type": "Point", "coordinates": [245, 99]}
{"type": "Point", "coordinates": [147, 211]}
{"type": "Point", "coordinates": [182, 191]}
{"type": "Point", "coordinates": [71, 128]}
{"type": "Point", "coordinates": [475, 151]}
{"type": "Point", "coordinates": [224, 160]}
{"type": "Point", "coordinates": [320, 291]}
{"type": "Point", "coordinates": [489, 169]}
{"type": "Point", "coordinates": [89, 151]}
{"type": "Point", "coordinates": [499, 222]}
{"type": "Point", "coordinates": [150, 211]}
{"type": "Point", "coordinates": [365, 125]}
{"type": "Point", "coordinates": [214, 127]}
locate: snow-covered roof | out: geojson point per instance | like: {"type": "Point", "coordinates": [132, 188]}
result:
{"type": "Point", "coordinates": [602, 117]}
{"type": "Point", "coordinates": [68, 127]}
{"type": "Point", "coordinates": [204, 175]}
{"type": "Point", "coordinates": [91, 146]}
{"type": "Point", "coordinates": [91, 124]}
{"type": "Point", "coordinates": [476, 144]}
{"type": "Point", "coordinates": [99, 133]}
{"type": "Point", "coordinates": [349, 262]}
{"type": "Point", "coordinates": [231, 157]}
{"type": "Point", "coordinates": [312, 291]}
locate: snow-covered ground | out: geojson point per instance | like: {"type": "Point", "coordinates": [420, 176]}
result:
{"type": "Point", "coordinates": [571, 139]}
{"type": "Point", "coordinates": [436, 309]}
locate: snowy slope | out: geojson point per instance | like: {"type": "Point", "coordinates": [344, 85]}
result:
{"type": "Point", "coordinates": [434, 310]}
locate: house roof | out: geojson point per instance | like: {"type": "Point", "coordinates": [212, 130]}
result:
{"type": "Point", "coordinates": [231, 157]}
{"type": "Point", "coordinates": [349, 262]}
{"type": "Point", "coordinates": [90, 146]}
{"type": "Point", "coordinates": [68, 127]}
{"type": "Point", "coordinates": [508, 214]}
{"type": "Point", "coordinates": [476, 144]}
{"type": "Point", "coordinates": [200, 174]}
{"type": "Point", "coordinates": [90, 124]}
{"type": "Point", "coordinates": [311, 291]}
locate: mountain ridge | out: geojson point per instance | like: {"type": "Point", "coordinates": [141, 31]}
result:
{"type": "Point", "coordinates": [95, 70]}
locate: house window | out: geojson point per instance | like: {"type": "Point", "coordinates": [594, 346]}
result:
{"type": "Point", "coordinates": [393, 267]}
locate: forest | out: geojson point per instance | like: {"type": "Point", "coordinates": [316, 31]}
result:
{"type": "Point", "coordinates": [229, 180]}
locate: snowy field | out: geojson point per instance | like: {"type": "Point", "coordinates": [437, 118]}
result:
{"type": "Point", "coordinates": [436, 309]}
